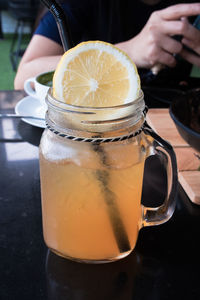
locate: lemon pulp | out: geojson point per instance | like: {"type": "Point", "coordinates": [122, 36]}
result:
{"type": "Point", "coordinates": [96, 74]}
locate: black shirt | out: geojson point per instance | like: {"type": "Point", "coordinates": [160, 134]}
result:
{"type": "Point", "coordinates": [107, 20]}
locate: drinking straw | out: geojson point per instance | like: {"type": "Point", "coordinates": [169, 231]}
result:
{"type": "Point", "coordinates": [62, 23]}
{"type": "Point", "coordinates": [102, 176]}
{"type": "Point", "coordinates": [117, 224]}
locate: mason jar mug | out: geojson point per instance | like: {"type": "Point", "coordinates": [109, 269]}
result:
{"type": "Point", "coordinates": [91, 169]}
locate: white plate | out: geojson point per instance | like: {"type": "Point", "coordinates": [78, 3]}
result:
{"type": "Point", "coordinates": [30, 106]}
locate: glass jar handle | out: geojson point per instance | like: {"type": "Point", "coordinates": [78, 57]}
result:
{"type": "Point", "coordinates": [158, 215]}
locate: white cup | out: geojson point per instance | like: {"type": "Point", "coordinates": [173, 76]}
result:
{"type": "Point", "coordinates": [38, 86]}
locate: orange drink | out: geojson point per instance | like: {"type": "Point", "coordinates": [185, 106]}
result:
{"type": "Point", "coordinates": [76, 218]}
{"type": "Point", "coordinates": [92, 157]}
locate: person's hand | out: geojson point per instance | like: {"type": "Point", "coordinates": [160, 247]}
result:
{"type": "Point", "coordinates": [155, 43]}
{"type": "Point", "coordinates": [191, 39]}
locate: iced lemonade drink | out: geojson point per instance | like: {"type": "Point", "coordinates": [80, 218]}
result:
{"type": "Point", "coordinates": [91, 191]}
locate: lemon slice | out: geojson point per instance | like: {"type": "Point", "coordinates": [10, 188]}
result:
{"type": "Point", "coordinates": [96, 74]}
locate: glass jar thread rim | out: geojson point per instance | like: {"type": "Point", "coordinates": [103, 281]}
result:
{"type": "Point", "coordinates": [64, 117]}
{"type": "Point", "coordinates": [52, 101]}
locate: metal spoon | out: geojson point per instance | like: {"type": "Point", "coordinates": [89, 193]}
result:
{"type": "Point", "coordinates": [20, 117]}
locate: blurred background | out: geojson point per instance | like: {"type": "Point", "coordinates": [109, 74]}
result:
{"type": "Point", "coordinates": [18, 20]}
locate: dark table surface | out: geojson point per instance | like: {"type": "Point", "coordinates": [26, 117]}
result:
{"type": "Point", "coordinates": [164, 265]}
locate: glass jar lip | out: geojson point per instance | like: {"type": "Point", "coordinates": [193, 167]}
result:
{"type": "Point", "coordinates": [69, 107]}
{"type": "Point", "coordinates": [94, 119]}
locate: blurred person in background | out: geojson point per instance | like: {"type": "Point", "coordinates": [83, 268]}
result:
{"type": "Point", "coordinates": [144, 29]}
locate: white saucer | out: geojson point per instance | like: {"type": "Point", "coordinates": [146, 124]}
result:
{"type": "Point", "coordinates": [30, 106]}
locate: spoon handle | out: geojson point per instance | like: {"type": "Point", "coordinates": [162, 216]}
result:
{"type": "Point", "coordinates": [20, 117]}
